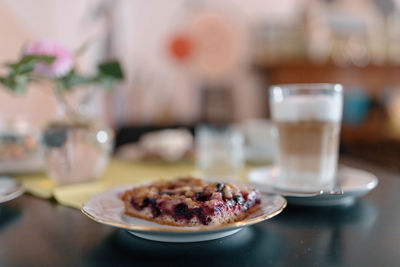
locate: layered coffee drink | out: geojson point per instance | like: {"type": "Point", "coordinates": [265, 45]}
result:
{"type": "Point", "coordinates": [308, 139]}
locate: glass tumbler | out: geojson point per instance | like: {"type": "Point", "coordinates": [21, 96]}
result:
{"type": "Point", "coordinates": [308, 119]}
{"type": "Point", "coordinates": [219, 152]}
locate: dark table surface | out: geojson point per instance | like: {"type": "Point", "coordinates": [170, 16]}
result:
{"type": "Point", "coordinates": [35, 232]}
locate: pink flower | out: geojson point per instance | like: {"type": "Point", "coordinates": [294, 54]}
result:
{"type": "Point", "coordinates": [62, 64]}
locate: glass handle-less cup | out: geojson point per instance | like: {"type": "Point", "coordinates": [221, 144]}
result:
{"type": "Point", "coordinates": [308, 119]}
{"type": "Point", "coordinates": [219, 152]}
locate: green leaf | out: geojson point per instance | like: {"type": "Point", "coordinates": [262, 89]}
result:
{"type": "Point", "coordinates": [73, 79]}
{"type": "Point", "coordinates": [38, 58]}
{"type": "Point", "coordinates": [106, 82]}
{"type": "Point", "coordinates": [20, 84]}
{"type": "Point", "coordinates": [111, 69]}
{"type": "Point", "coordinates": [20, 72]}
{"type": "Point", "coordinates": [21, 67]}
{"type": "Point", "coordinates": [3, 82]}
{"type": "Point", "coordinates": [28, 62]}
{"type": "Point", "coordinates": [17, 84]}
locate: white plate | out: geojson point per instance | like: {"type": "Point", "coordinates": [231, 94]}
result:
{"type": "Point", "coordinates": [107, 208]}
{"type": "Point", "coordinates": [9, 189]}
{"type": "Point", "coordinates": [355, 183]}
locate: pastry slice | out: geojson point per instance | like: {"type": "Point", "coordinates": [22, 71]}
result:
{"type": "Point", "coordinates": [191, 202]}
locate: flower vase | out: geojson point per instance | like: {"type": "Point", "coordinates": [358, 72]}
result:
{"type": "Point", "coordinates": [77, 146]}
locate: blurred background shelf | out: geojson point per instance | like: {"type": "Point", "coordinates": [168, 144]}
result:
{"type": "Point", "coordinates": [373, 78]}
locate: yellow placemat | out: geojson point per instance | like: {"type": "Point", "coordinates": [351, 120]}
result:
{"type": "Point", "coordinates": [117, 173]}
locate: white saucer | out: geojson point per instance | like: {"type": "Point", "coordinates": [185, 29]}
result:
{"type": "Point", "coordinates": [107, 208]}
{"type": "Point", "coordinates": [9, 189]}
{"type": "Point", "coordinates": [355, 183]}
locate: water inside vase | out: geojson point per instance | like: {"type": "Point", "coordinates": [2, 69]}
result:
{"type": "Point", "coordinates": [76, 152]}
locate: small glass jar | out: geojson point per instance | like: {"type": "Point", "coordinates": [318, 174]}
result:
{"type": "Point", "coordinates": [20, 149]}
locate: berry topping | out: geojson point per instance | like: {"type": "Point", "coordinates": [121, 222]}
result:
{"type": "Point", "coordinates": [199, 196]}
{"type": "Point", "coordinates": [239, 199]}
{"type": "Point", "coordinates": [220, 187]}
{"type": "Point", "coordinates": [182, 211]}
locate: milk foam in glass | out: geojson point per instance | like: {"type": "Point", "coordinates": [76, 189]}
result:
{"type": "Point", "coordinates": [308, 118]}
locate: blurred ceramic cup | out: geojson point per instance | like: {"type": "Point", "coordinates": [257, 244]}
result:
{"type": "Point", "coordinates": [308, 118]}
{"type": "Point", "coordinates": [219, 152]}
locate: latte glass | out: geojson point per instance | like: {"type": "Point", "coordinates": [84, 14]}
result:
{"type": "Point", "coordinates": [308, 119]}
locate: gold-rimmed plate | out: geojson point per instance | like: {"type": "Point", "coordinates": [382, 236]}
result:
{"type": "Point", "coordinates": [107, 208]}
